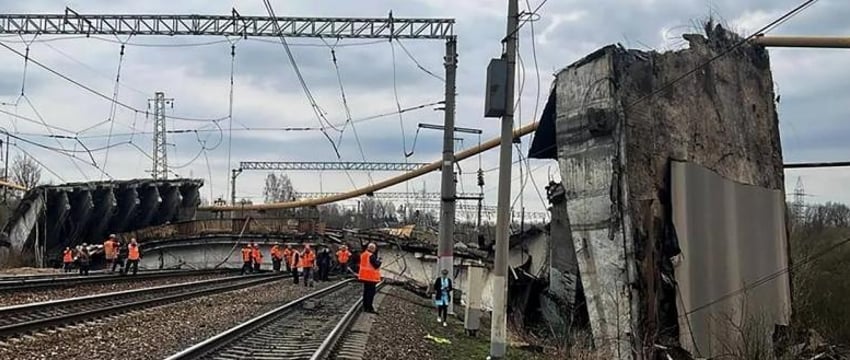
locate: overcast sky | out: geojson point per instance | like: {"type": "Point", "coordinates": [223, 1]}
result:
{"type": "Point", "coordinates": [195, 71]}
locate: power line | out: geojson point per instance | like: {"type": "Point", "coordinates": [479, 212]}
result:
{"type": "Point", "coordinates": [317, 111]}
{"type": "Point", "coordinates": [418, 64]}
{"type": "Point", "coordinates": [95, 92]}
{"type": "Point", "coordinates": [113, 108]}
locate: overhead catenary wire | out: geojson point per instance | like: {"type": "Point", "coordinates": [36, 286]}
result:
{"type": "Point", "coordinates": [113, 107]}
{"type": "Point", "coordinates": [97, 93]}
{"type": "Point", "coordinates": [317, 111]}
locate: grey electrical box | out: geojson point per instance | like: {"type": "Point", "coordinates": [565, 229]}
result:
{"type": "Point", "coordinates": [497, 79]}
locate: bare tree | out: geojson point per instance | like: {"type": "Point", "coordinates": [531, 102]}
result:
{"type": "Point", "coordinates": [25, 171]}
{"type": "Point", "coordinates": [278, 188]}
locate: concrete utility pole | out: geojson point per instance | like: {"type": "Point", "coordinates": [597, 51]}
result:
{"type": "Point", "coordinates": [233, 175]}
{"type": "Point", "coordinates": [445, 249]}
{"type": "Point", "coordinates": [160, 147]}
{"type": "Point", "coordinates": [498, 331]}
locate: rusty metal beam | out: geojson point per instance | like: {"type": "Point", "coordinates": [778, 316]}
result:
{"type": "Point", "coordinates": [434, 166]}
{"type": "Point", "coordinates": [835, 42]}
{"type": "Point", "coordinates": [809, 165]}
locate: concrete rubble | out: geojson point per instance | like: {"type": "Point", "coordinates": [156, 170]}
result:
{"type": "Point", "coordinates": [615, 127]}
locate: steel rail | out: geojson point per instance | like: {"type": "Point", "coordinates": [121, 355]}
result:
{"type": "Point", "coordinates": [60, 281]}
{"type": "Point", "coordinates": [330, 342]}
{"type": "Point", "coordinates": [24, 318]}
{"type": "Point", "coordinates": [231, 336]}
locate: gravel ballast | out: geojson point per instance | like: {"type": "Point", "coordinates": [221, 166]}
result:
{"type": "Point", "coordinates": [46, 294]}
{"type": "Point", "coordinates": [405, 320]}
{"type": "Point", "coordinates": [158, 332]}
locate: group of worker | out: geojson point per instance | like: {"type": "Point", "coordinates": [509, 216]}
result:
{"type": "Point", "coordinates": [304, 264]}
{"type": "Point", "coordinates": [114, 254]}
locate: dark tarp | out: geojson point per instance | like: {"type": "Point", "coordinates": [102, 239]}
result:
{"type": "Point", "coordinates": [544, 146]}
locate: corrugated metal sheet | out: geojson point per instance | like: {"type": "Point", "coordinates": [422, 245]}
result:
{"type": "Point", "coordinates": [732, 237]}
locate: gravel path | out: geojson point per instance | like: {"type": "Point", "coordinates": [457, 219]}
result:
{"type": "Point", "coordinates": [397, 332]}
{"type": "Point", "coordinates": [158, 332]}
{"type": "Point", "coordinates": [45, 294]}
{"type": "Point", "coordinates": [404, 321]}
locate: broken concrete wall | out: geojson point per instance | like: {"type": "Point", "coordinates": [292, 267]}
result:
{"type": "Point", "coordinates": [617, 127]}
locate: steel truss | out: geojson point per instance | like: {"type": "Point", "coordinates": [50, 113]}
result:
{"type": "Point", "coordinates": [226, 25]}
{"type": "Point", "coordinates": [329, 166]}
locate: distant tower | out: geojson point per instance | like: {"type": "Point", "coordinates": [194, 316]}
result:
{"type": "Point", "coordinates": [160, 150]}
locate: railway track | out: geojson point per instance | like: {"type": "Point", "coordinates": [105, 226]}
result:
{"type": "Point", "coordinates": [18, 283]}
{"type": "Point", "coordinates": [27, 318]}
{"type": "Point", "coordinates": [306, 328]}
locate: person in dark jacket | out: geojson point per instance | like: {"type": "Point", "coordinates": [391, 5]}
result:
{"type": "Point", "coordinates": [85, 259]}
{"type": "Point", "coordinates": [324, 263]}
{"type": "Point", "coordinates": [296, 257]}
{"type": "Point", "coordinates": [442, 291]}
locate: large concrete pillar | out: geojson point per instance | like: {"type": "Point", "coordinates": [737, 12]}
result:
{"type": "Point", "coordinates": [128, 205]}
{"type": "Point", "coordinates": [148, 206]}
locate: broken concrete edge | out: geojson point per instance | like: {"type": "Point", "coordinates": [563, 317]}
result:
{"type": "Point", "coordinates": [95, 209]}
{"type": "Point", "coordinates": [614, 158]}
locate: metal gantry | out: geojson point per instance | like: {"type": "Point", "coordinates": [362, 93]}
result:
{"type": "Point", "coordinates": [329, 166]}
{"type": "Point", "coordinates": [226, 25]}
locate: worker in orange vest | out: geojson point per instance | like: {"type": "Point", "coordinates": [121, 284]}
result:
{"type": "Point", "coordinates": [306, 264]}
{"type": "Point", "coordinates": [370, 275]}
{"type": "Point", "coordinates": [287, 257]}
{"type": "Point", "coordinates": [67, 259]}
{"type": "Point", "coordinates": [257, 257]}
{"type": "Point", "coordinates": [109, 252]}
{"type": "Point", "coordinates": [277, 257]}
{"type": "Point", "coordinates": [133, 256]}
{"type": "Point", "coordinates": [294, 263]}
{"type": "Point", "coordinates": [246, 259]}
{"type": "Point", "coordinates": [342, 257]}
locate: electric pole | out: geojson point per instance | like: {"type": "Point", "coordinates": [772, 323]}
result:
{"type": "Point", "coordinates": [160, 151]}
{"type": "Point", "coordinates": [233, 175]}
{"type": "Point", "coordinates": [445, 249]}
{"type": "Point", "coordinates": [498, 331]}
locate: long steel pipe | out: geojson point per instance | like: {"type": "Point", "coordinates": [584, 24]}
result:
{"type": "Point", "coordinates": [461, 155]}
{"type": "Point", "coordinates": [837, 42]}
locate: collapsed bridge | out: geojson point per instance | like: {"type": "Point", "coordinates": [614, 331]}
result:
{"type": "Point", "coordinates": [51, 217]}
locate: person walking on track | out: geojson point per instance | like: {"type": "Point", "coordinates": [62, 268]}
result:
{"type": "Point", "coordinates": [342, 257]}
{"type": "Point", "coordinates": [306, 264]}
{"type": "Point", "coordinates": [277, 257]}
{"type": "Point", "coordinates": [257, 257]}
{"type": "Point", "coordinates": [67, 259]}
{"type": "Point", "coordinates": [294, 264]}
{"type": "Point", "coordinates": [324, 263]}
{"type": "Point", "coordinates": [110, 253]}
{"type": "Point", "coordinates": [246, 259]}
{"type": "Point", "coordinates": [287, 257]}
{"type": "Point", "coordinates": [369, 274]}
{"type": "Point", "coordinates": [84, 258]}
{"type": "Point", "coordinates": [133, 256]}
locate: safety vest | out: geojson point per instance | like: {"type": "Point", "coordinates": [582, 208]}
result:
{"type": "Point", "coordinates": [67, 256]}
{"type": "Point", "coordinates": [276, 252]}
{"type": "Point", "coordinates": [342, 256]}
{"type": "Point", "coordinates": [368, 272]}
{"type": "Point", "coordinates": [109, 249]}
{"type": "Point", "coordinates": [257, 255]}
{"type": "Point", "coordinates": [287, 255]}
{"type": "Point", "coordinates": [246, 254]}
{"type": "Point", "coordinates": [133, 251]}
{"type": "Point", "coordinates": [308, 259]}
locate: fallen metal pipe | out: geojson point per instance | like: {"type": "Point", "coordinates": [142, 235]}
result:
{"type": "Point", "coordinates": [436, 165]}
{"type": "Point", "coordinates": [837, 42]}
